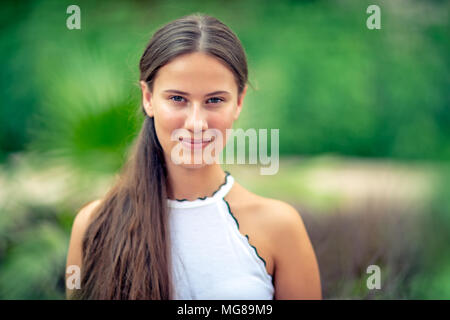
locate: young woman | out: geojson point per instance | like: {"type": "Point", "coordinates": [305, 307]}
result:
{"type": "Point", "coordinates": [189, 231]}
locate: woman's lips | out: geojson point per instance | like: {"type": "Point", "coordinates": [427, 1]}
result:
{"type": "Point", "coordinates": [195, 143]}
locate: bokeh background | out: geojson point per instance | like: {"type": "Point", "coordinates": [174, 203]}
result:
{"type": "Point", "coordinates": [364, 119]}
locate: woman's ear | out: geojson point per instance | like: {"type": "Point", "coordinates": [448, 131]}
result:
{"type": "Point", "coordinates": [240, 103]}
{"type": "Point", "coordinates": [146, 98]}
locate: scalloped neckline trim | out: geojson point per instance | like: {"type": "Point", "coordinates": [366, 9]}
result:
{"type": "Point", "coordinates": [218, 194]}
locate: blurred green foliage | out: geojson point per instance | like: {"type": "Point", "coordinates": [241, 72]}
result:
{"type": "Point", "coordinates": [327, 82]}
{"type": "Point", "coordinates": [433, 281]}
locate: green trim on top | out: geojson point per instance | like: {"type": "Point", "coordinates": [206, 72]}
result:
{"type": "Point", "coordinates": [206, 197]}
{"type": "Point", "coordinates": [255, 249]}
{"type": "Point", "coordinates": [246, 236]}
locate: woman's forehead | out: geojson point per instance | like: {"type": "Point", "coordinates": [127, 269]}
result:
{"type": "Point", "coordinates": [195, 73]}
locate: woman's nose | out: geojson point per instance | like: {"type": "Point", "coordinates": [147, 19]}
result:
{"type": "Point", "coordinates": [196, 119]}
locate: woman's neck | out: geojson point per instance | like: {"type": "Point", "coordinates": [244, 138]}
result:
{"type": "Point", "coordinates": [194, 183]}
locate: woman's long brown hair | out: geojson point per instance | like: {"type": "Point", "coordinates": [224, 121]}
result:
{"type": "Point", "coordinates": [126, 248]}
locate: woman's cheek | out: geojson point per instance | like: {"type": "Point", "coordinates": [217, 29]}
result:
{"type": "Point", "coordinates": [165, 124]}
{"type": "Point", "coordinates": [221, 122]}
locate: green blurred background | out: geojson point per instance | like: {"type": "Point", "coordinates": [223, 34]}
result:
{"type": "Point", "coordinates": [364, 119]}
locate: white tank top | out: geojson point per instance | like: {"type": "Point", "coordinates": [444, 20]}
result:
{"type": "Point", "coordinates": [211, 259]}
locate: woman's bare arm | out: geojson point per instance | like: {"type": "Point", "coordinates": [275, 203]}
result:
{"type": "Point", "coordinates": [297, 274]}
{"type": "Point", "coordinates": [80, 224]}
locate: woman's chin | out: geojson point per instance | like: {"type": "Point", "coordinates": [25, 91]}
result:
{"type": "Point", "coordinates": [193, 165]}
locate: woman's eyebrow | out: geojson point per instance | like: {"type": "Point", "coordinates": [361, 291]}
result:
{"type": "Point", "coordinates": [187, 94]}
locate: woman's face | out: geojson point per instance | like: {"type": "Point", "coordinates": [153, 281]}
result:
{"type": "Point", "coordinates": [194, 92]}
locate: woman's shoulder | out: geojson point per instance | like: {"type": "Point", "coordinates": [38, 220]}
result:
{"type": "Point", "coordinates": [272, 224]}
{"type": "Point", "coordinates": [79, 226]}
{"type": "Point", "coordinates": [83, 219]}
{"type": "Point", "coordinates": [84, 215]}
{"type": "Point", "coordinates": [275, 214]}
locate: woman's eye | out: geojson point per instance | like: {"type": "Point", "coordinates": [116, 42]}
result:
{"type": "Point", "coordinates": [176, 98]}
{"type": "Point", "coordinates": [216, 99]}
{"type": "Point", "coordinates": [180, 99]}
